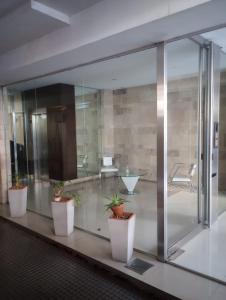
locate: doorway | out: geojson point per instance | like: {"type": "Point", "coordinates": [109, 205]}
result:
{"type": "Point", "coordinates": [203, 248]}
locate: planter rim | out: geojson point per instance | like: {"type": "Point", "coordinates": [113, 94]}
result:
{"type": "Point", "coordinates": [130, 215]}
{"type": "Point", "coordinates": [13, 189]}
{"type": "Point", "coordinates": [62, 202]}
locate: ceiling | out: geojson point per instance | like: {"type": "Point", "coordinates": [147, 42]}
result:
{"type": "Point", "coordinates": [132, 70]}
{"type": "Point", "coordinates": [7, 6]}
{"type": "Point", "coordinates": [70, 7]}
{"type": "Point", "coordinates": [218, 37]}
{"type": "Point", "coordinates": [22, 21]}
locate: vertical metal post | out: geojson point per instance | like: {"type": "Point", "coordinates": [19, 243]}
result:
{"type": "Point", "coordinates": [5, 99]}
{"type": "Point", "coordinates": [14, 136]}
{"type": "Point", "coordinates": [200, 134]}
{"type": "Point", "coordinates": [161, 153]}
{"type": "Point", "coordinates": [208, 135]}
{"type": "Point", "coordinates": [212, 126]}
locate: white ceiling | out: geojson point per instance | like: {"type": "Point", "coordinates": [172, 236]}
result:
{"type": "Point", "coordinates": [70, 7]}
{"type": "Point", "coordinates": [44, 56]}
{"type": "Point", "coordinates": [21, 22]}
{"type": "Point", "coordinates": [218, 37]}
{"type": "Point", "coordinates": [7, 6]}
{"type": "Point", "coordinates": [132, 70]}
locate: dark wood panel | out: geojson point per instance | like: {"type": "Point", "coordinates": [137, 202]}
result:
{"type": "Point", "coordinates": [59, 102]}
{"type": "Point", "coordinates": [62, 142]}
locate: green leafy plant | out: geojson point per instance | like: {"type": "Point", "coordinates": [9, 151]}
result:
{"type": "Point", "coordinates": [58, 188]}
{"type": "Point", "coordinates": [115, 200]}
{"type": "Point", "coordinates": [76, 198]}
{"type": "Point", "coordinates": [58, 191]}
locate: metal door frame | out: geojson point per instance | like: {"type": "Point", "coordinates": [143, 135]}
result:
{"type": "Point", "coordinates": [205, 141]}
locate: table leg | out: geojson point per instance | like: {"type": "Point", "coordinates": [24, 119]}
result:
{"type": "Point", "coordinates": [130, 183]}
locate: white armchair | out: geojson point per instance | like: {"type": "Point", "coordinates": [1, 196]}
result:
{"type": "Point", "coordinates": [82, 163]}
{"type": "Point", "coordinates": [184, 179]}
{"type": "Point", "coordinates": [107, 166]}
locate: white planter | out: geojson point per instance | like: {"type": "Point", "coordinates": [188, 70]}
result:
{"type": "Point", "coordinates": [122, 237]}
{"type": "Point", "coordinates": [63, 217]}
{"type": "Point", "coordinates": [17, 202]}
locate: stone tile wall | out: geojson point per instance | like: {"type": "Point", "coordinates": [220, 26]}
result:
{"type": "Point", "coordinates": [129, 126]}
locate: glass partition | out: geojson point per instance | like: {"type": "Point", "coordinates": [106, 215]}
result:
{"type": "Point", "coordinates": [202, 251]}
{"type": "Point", "coordinates": [87, 104]}
{"type": "Point", "coordinates": [95, 129]}
{"type": "Point", "coordinates": [183, 141]}
{"type": "Point", "coordinates": [127, 130]}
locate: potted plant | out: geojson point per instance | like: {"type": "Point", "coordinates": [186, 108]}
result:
{"type": "Point", "coordinates": [17, 196]}
{"type": "Point", "coordinates": [121, 227]}
{"type": "Point", "coordinates": [63, 209]}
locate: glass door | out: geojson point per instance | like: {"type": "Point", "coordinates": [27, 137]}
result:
{"type": "Point", "coordinates": [184, 128]}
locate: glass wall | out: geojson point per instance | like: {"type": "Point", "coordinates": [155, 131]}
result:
{"type": "Point", "coordinates": [68, 125]}
{"type": "Point", "coordinates": [127, 130]}
{"type": "Point", "coordinates": [183, 142]}
{"type": "Point", "coordinates": [74, 120]}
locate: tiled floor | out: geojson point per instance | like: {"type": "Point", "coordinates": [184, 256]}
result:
{"type": "Point", "coordinates": [170, 279]}
{"type": "Point", "coordinates": [206, 252]}
{"type": "Point", "coordinates": [91, 215]}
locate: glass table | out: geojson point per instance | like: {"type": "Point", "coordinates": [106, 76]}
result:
{"type": "Point", "coordinates": [130, 178]}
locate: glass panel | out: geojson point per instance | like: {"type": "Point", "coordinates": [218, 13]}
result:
{"type": "Point", "coordinates": [127, 134]}
{"type": "Point", "coordinates": [16, 136]}
{"type": "Point", "coordinates": [183, 127]}
{"type": "Point", "coordinates": [96, 122]}
{"type": "Point", "coordinates": [87, 103]}
{"type": "Point", "coordinates": [205, 251]}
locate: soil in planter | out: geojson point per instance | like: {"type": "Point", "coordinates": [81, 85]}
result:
{"type": "Point", "coordinates": [63, 199]}
{"type": "Point", "coordinates": [126, 216]}
{"type": "Point", "coordinates": [18, 187]}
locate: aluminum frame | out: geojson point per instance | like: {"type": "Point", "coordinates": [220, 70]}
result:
{"type": "Point", "coordinates": [162, 240]}
{"type": "Point", "coordinates": [200, 141]}
{"type": "Point", "coordinates": [207, 137]}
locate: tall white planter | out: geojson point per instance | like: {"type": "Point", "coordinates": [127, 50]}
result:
{"type": "Point", "coordinates": [17, 202]}
{"type": "Point", "coordinates": [122, 237]}
{"type": "Point", "coordinates": [63, 217]}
